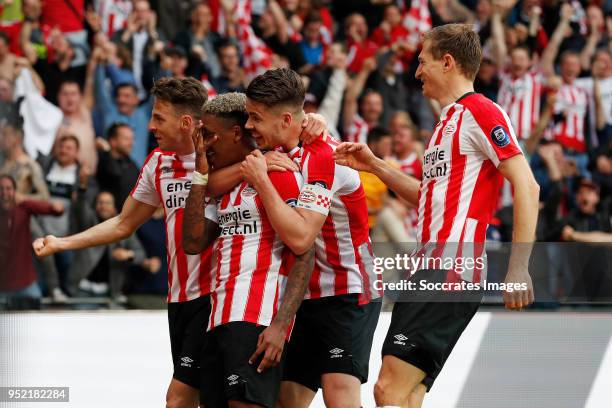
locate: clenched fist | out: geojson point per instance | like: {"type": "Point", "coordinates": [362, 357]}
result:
{"type": "Point", "coordinates": [46, 246]}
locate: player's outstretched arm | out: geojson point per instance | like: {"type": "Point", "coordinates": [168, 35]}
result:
{"type": "Point", "coordinates": [526, 201]}
{"type": "Point", "coordinates": [132, 216]}
{"type": "Point", "coordinates": [272, 340]}
{"type": "Point", "coordinates": [358, 156]}
{"type": "Point", "coordinates": [297, 228]}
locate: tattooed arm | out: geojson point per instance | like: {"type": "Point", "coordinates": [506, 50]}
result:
{"type": "Point", "coordinates": [198, 232]}
{"type": "Point", "coordinates": [272, 340]}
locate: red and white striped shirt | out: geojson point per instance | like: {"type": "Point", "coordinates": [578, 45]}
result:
{"type": "Point", "coordinates": [165, 179]}
{"type": "Point", "coordinates": [357, 131]}
{"type": "Point", "coordinates": [343, 251]}
{"type": "Point", "coordinates": [411, 165]}
{"type": "Point", "coordinates": [252, 261]}
{"type": "Point", "coordinates": [520, 98]}
{"type": "Point", "coordinates": [572, 102]}
{"type": "Point", "coordinates": [461, 183]}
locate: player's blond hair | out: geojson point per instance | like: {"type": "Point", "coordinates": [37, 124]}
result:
{"type": "Point", "coordinates": [229, 106]}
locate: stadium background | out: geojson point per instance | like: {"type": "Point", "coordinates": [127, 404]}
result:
{"type": "Point", "coordinates": [75, 70]}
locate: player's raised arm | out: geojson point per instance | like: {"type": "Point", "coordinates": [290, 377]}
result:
{"type": "Point", "coordinates": [526, 201]}
{"type": "Point", "coordinates": [358, 156]}
{"type": "Point", "coordinates": [132, 216]}
{"type": "Point", "coordinates": [198, 231]}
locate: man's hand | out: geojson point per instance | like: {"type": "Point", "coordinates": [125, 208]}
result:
{"type": "Point", "coordinates": [357, 156]}
{"type": "Point", "coordinates": [313, 126]}
{"type": "Point", "coordinates": [201, 145]}
{"type": "Point", "coordinates": [46, 246]}
{"type": "Point", "coordinates": [270, 342]}
{"type": "Point", "coordinates": [122, 254]}
{"type": "Point", "coordinates": [58, 207]}
{"type": "Point", "coordinates": [567, 233]}
{"type": "Point", "coordinates": [152, 265]}
{"type": "Point", "coordinates": [254, 168]}
{"type": "Point", "coordinates": [278, 161]}
{"type": "Point", "coordinates": [518, 299]}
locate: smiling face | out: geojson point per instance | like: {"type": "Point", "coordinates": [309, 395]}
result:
{"type": "Point", "coordinates": [166, 126]}
{"type": "Point", "coordinates": [265, 124]}
{"type": "Point", "coordinates": [231, 145]}
{"type": "Point", "coordinates": [430, 72]}
{"type": "Point", "coordinates": [67, 152]}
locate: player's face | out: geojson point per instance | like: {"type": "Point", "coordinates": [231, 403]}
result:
{"type": "Point", "coordinates": [165, 124]}
{"type": "Point", "coordinates": [265, 125]}
{"type": "Point", "coordinates": [227, 150]}
{"type": "Point", "coordinates": [430, 72]}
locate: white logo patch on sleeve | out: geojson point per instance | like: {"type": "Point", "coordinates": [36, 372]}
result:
{"type": "Point", "coordinates": [315, 197]}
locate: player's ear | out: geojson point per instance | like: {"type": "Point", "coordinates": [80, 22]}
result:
{"type": "Point", "coordinates": [238, 133]}
{"type": "Point", "coordinates": [287, 119]}
{"type": "Point", "coordinates": [448, 62]}
{"type": "Point", "coordinates": [186, 122]}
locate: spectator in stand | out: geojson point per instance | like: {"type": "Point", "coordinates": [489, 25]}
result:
{"type": "Point", "coordinates": [58, 66]}
{"type": "Point", "coordinates": [76, 107]}
{"type": "Point", "coordinates": [602, 172]}
{"type": "Point", "coordinates": [113, 14]}
{"type": "Point", "coordinates": [390, 31]}
{"type": "Point", "coordinates": [24, 170]}
{"type": "Point", "coordinates": [102, 270]}
{"type": "Point", "coordinates": [358, 124]}
{"type": "Point", "coordinates": [389, 83]}
{"type": "Point", "coordinates": [572, 105]}
{"type": "Point", "coordinates": [590, 223]}
{"type": "Point", "coordinates": [275, 31]}
{"type": "Point", "coordinates": [521, 83]}
{"type": "Point", "coordinates": [326, 88]}
{"type": "Point", "coordinates": [61, 172]}
{"type": "Point", "coordinates": [232, 77]}
{"type": "Point", "coordinates": [33, 34]}
{"type": "Point", "coordinates": [599, 89]}
{"type": "Point", "coordinates": [7, 58]}
{"type": "Point", "coordinates": [141, 38]}
{"type": "Point", "coordinates": [200, 42]}
{"type": "Point", "coordinates": [17, 274]}
{"type": "Point", "coordinates": [312, 45]}
{"type": "Point", "coordinates": [123, 108]}
{"type": "Point", "coordinates": [358, 44]}
{"type": "Point", "coordinates": [152, 278]}
{"type": "Point", "coordinates": [170, 62]}
{"type": "Point", "coordinates": [376, 192]}
{"type": "Point", "coordinates": [117, 173]}
{"type": "Point", "coordinates": [404, 152]}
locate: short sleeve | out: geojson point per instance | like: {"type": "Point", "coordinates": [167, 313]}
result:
{"type": "Point", "coordinates": [487, 129]}
{"type": "Point", "coordinates": [145, 190]}
{"type": "Point", "coordinates": [210, 211]}
{"type": "Point", "coordinates": [318, 171]}
{"type": "Point", "coordinates": [287, 184]}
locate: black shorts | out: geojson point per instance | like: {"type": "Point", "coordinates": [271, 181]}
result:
{"type": "Point", "coordinates": [187, 322]}
{"type": "Point", "coordinates": [226, 372]}
{"type": "Point", "coordinates": [331, 335]}
{"type": "Point", "coordinates": [425, 328]}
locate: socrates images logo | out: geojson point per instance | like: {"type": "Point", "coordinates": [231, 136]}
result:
{"type": "Point", "coordinates": [336, 352]}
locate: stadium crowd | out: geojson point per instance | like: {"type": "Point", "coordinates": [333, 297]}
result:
{"type": "Point", "coordinates": [75, 77]}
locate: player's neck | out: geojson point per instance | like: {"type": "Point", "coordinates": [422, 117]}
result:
{"type": "Point", "coordinates": [455, 91]}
